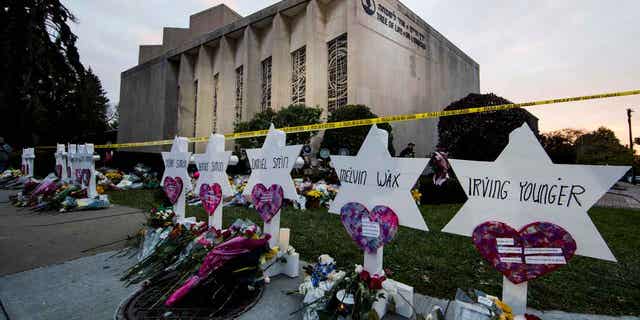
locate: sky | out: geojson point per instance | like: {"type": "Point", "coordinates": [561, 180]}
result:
{"type": "Point", "coordinates": [527, 50]}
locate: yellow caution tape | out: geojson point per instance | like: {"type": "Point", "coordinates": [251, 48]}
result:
{"type": "Point", "coordinates": [387, 119]}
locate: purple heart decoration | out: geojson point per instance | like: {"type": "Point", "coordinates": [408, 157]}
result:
{"type": "Point", "coordinates": [537, 249]}
{"type": "Point", "coordinates": [78, 176]}
{"type": "Point", "coordinates": [86, 176]}
{"type": "Point", "coordinates": [210, 196]}
{"type": "Point", "coordinates": [369, 230]}
{"type": "Point", "coordinates": [59, 170]}
{"type": "Point", "coordinates": [267, 201]}
{"type": "Point", "coordinates": [68, 172]}
{"type": "Point", "coordinates": [173, 188]}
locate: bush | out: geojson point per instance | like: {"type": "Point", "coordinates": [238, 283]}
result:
{"type": "Point", "coordinates": [293, 115]}
{"type": "Point", "coordinates": [480, 136]}
{"type": "Point", "coordinates": [352, 138]}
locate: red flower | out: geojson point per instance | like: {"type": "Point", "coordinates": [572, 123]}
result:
{"type": "Point", "coordinates": [365, 276]}
{"type": "Point", "coordinates": [215, 231]}
{"type": "Point", "coordinates": [249, 233]}
{"type": "Point", "coordinates": [226, 233]}
{"type": "Point", "coordinates": [531, 317]}
{"type": "Point", "coordinates": [376, 282]}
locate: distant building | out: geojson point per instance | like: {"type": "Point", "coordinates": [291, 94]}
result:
{"type": "Point", "coordinates": [328, 53]}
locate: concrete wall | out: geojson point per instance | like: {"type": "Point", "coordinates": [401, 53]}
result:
{"type": "Point", "coordinates": [148, 52]}
{"type": "Point", "coordinates": [148, 99]}
{"type": "Point", "coordinates": [386, 71]}
{"type": "Point", "coordinates": [393, 75]}
{"type": "Point", "coordinates": [211, 19]}
{"type": "Point", "coordinates": [173, 37]}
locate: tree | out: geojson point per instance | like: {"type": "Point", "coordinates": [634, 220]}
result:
{"type": "Point", "coordinates": [46, 94]}
{"type": "Point", "coordinates": [480, 136]}
{"type": "Point", "coordinates": [601, 147]}
{"type": "Point", "coordinates": [293, 115]}
{"type": "Point", "coordinates": [40, 68]}
{"type": "Point", "coordinates": [91, 104]}
{"type": "Point", "coordinates": [352, 138]}
{"type": "Point", "coordinates": [560, 145]}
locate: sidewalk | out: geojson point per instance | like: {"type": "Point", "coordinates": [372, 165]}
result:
{"type": "Point", "coordinates": [623, 195]}
{"type": "Point", "coordinates": [88, 288]}
{"type": "Point", "coordinates": [29, 240]}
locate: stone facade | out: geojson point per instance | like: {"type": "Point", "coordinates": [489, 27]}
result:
{"type": "Point", "coordinates": [326, 53]}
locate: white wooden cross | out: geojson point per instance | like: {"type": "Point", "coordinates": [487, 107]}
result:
{"type": "Point", "coordinates": [28, 159]}
{"type": "Point", "coordinates": [61, 163]}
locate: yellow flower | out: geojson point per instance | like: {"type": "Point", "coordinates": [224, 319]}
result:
{"type": "Point", "coordinates": [314, 194]}
{"type": "Point", "coordinates": [506, 309]}
{"type": "Point", "coordinates": [269, 255]}
{"type": "Point", "coordinates": [416, 194]}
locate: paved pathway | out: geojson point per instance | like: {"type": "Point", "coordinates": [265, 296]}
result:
{"type": "Point", "coordinates": [29, 240]}
{"type": "Point", "coordinates": [622, 195]}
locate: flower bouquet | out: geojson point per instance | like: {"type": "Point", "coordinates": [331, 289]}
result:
{"type": "Point", "coordinates": [313, 199]}
{"type": "Point", "coordinates": [332, 294]}
{"type": "Point", "coordinates": [475, 304]}
{"type": "Point", "coordinates": [212, 269]}
{"type": "Point", "coordinates": [160, 217]}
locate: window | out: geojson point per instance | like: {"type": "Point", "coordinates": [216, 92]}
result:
{"type": "Point", "coordinates": [298, 75]}
{"type": "Point", "coordinates": [195, 106]}
{"type": "Point", "coordinates": [265, 102]}
{"type": "Point", "coordinates": [337, 72]}
{"type": "Point", "coordinates": [239, 91]}
{"type": "Point", "coordinates": [214, 113]}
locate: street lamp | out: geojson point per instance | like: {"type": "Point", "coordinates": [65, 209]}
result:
{"type": "Point", "coordinates": [633, 171]}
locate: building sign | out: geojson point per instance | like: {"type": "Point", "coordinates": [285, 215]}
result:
{"type": "Point", "coordinates": [394, 21]}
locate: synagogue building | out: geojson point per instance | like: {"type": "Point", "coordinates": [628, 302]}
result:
{"type": "Point", "coordinates": [225, 68]}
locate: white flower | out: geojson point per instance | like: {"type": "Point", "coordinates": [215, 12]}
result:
{"type": "Point", "coordinates": [305, 286]}
{"type": "Point", "coordinates": [267, 280]}
{"type": "Point", "coordinates": [359, 268]}
{"type": "Point", "coordinates": [336, 275]}
{"type": "Point", "coordinates": [325, 259]}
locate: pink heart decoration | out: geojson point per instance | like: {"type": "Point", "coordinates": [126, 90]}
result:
{"type": "Point", "coordinates": [59, 170]}
{"type": "Point", "coordinates": [210, 196]}
{"type": "Point", "coordinates": [173, 188]}
{"type": "Point", "coordinates": [86, 176]}
{"type": "Point", "coordinates": [369, 230]}
{"type": "Point", "coordinates": [267, 201]}
{"type": "Point", "coordinates": [537, 249]}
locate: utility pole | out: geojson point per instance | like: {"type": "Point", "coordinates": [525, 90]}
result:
{"type": "Point", "coordinates": [633, 171]}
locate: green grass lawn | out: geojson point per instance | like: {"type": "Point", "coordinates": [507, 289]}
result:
{"type": "Point", "coordinates": [437, 263]}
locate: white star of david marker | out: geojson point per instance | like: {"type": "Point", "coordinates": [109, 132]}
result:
{"type": "Point", "coordinates": [177, 161]}
{"type": "Point", "coordinates": [375, 178]}
{"type": "Point", "coordinates": [272, 164]}
{"type": "Point", "coordinates": [212, 165]}
{"type": "Point", "coordinates": [562, 193]}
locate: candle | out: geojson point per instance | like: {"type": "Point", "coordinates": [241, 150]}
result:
{"type": "Point", "coordinates": [284, 239]}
